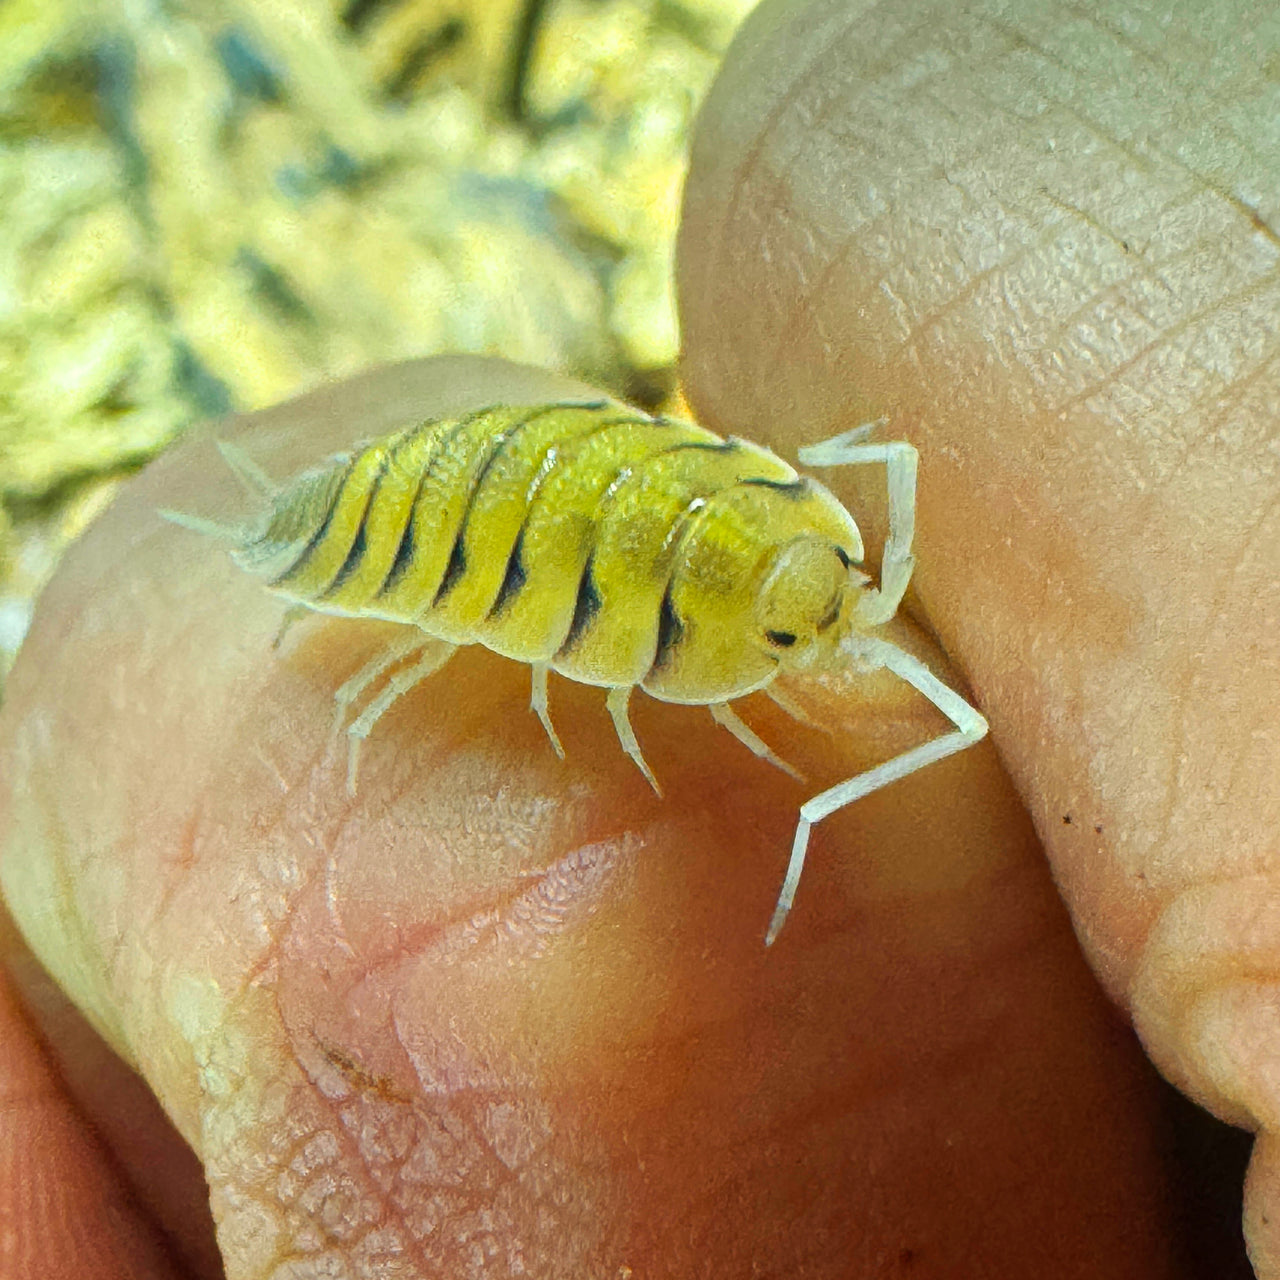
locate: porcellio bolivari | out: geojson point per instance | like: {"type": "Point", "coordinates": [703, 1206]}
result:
{"type": "Point", "coordinates": [615, 548]}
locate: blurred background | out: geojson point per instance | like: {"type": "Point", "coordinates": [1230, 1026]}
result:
{"type": "Point", "coordinates": [209, 207]}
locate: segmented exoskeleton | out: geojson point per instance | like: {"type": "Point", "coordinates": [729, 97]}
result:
{"type": "Point", "coordinates": [615, 548]}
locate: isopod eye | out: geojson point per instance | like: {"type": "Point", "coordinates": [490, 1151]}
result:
{"type": "Point", "coordinates": [801, 582]}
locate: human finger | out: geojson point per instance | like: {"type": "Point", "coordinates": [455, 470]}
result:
{"type": "Point", "coordinates": [1042, 243]}
{"type": "Point", "coordinates": [505, 1013]}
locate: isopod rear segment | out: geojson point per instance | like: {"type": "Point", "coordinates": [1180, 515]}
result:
{"type": "Point", "coordinates": [612, 547]}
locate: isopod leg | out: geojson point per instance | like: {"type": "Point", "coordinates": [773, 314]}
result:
{"type": "Point", "coordinates": [255, 480]}
{"type": "Point", "coordinates": [409, 641]}
{"type": "Point", "coordinates": [434, 656]}
{"type": "Point", "coordinates": [538, 702]}
{"type": "Point", "coordinates": [617, 704]}
{"type": "Point", "coordinates": [970, 728]}
{"type": "Point", "coordinates": [723, 714]}
{"type": "Point", "coordinates": [900, 458]}
{"type": "Point", "coordinates": [793, 708]}
{"type": "Point", "coordinates": [294, 613]}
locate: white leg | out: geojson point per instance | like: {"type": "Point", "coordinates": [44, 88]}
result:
{"type": "Point", "coordinates": [617, 704]}
{"type": "Point", "coordinates": [539, 703]}
{"type": "Point", "coordinates": [899, 457]}
{"type": "Point", "coordinates": [723, 714]}
{"type": "Point", "coordinates": [433, 658]}
{"type": "Point", "coordinates": [793, 709]}
{"type": "Point", "coordinates": [252, 476]}
{"type": "Point", "coordinates": [207, 528]}
{"type": "Point", "coordinates": [970, 727]}
{"type": "Point", "coordinates": [294, 613]}
{"type": "Point", "coordinates": [410, 641]}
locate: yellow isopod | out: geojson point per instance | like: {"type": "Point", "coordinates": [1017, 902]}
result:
{"type": "Point", "coordinates": [616, 548]}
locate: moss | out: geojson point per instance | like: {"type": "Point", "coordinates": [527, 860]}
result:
{"type": "Point", "coordinates": [211, 211]}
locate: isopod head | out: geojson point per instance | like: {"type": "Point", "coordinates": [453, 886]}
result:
{"type": "Point", "coordinates": [805, 593]}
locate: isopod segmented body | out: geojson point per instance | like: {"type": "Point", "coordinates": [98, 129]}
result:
{"type": "Point", "coordinates": [615, 548]}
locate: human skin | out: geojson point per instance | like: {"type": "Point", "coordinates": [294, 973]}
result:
{"type": "Point", "coordinates": [499, 1012]}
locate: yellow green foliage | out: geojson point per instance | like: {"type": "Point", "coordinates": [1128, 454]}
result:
{"type": "Point", "coordinates": [209, 207]}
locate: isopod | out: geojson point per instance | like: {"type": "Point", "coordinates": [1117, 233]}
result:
{"type": "Point", "coordinates": [615, 548]}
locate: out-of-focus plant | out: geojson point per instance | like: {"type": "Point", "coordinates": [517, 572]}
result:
{"type": "Point", "coordinates": [211, 206]}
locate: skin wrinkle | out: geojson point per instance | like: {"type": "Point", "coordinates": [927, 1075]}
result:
{"type": "Point", "coordinates": [311, 882]}
{"type": "Point", "coordinates": [1192, 678]}
{"type": "Point", "coordinates": [972, 286]}
{"type": "Point", "coordinates": [745, 171]}
{"type": "Point", "coordinates": [1087, 392]}
{"type": "Point", "coordinates": [333, 909]}
{"type": "Point", "coordinates": [1165, 342]}
{"type": "Point", "coordinates": [1225, 399]}
{"type": "Point", "coordinates": [1175, 984]}
{"type": "Point", "coordinates": [1201, 183]}
{"type": "Point", "coordinates": [225, 1183]}
{"type": "Point", "coordinates": [134, 937]}
{"type": "Point", "coordinates": [805, 305]}
{"type": "Point", "coordinates": [74, 928]}
{"type": "Point", "coordinates": [1231, 397]}
{"type": "Point", "coordinates": [1167, 76]}
{"type": "Point", "coordinates": [473, 1103]}
{"type": "Point", "coordinates": [1259, 223]}
{"type": "Point", "coordinates": [1235, 568]}
{"type": "Point", "coordinates": [1118, 39]}
{"type": "Point", "coordinates": [550, 903]}
{"type": "Point", "coordinates": [1080, 215]}
{"type": "Point", "coordinates": [342, 814]}
{"type": "Point", "coordinates": [389, 1211]}
{"type": "Point", "coordinates": [937, 315]}
{"type": "Point", "coordinates": [462, 926]}
{"type": "Point", "coordinates": [1178, 292]}
{"type": "Point", "coordinates": [273, 951]}
{"type": "Point", "coordinates": [780, 204]}
{"type": "Point", "coordinates": [1019, 40]}
{"type": "Point", "coordinates": [1138, 262]}
{"type": "Point", "coordinates": [1112, 294]}
{"type": "Point", "coordinates": [1191, 442]}
{"type": "Point", "coordinates": [317, 1184]}
{"type": "Point", "coordinates": [518, 829]}
{"type": "Point", "coordinates": [185, 863]}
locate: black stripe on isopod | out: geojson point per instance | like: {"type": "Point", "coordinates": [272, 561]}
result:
{"type": "Point", "coordinates": [585, 608]}
{"type": "Point", "coordinates": [514, 578]}
{"type": "Point", "coordinates": [318, 537]}
{"type": "Point", "coordinates": [359, 544]}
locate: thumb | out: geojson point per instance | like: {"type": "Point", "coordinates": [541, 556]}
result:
{"type": "Point", "coordinates": [1043, 242]}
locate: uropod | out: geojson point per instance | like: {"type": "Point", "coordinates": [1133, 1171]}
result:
{"type": "Point", "coordinates": [616, 548]}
